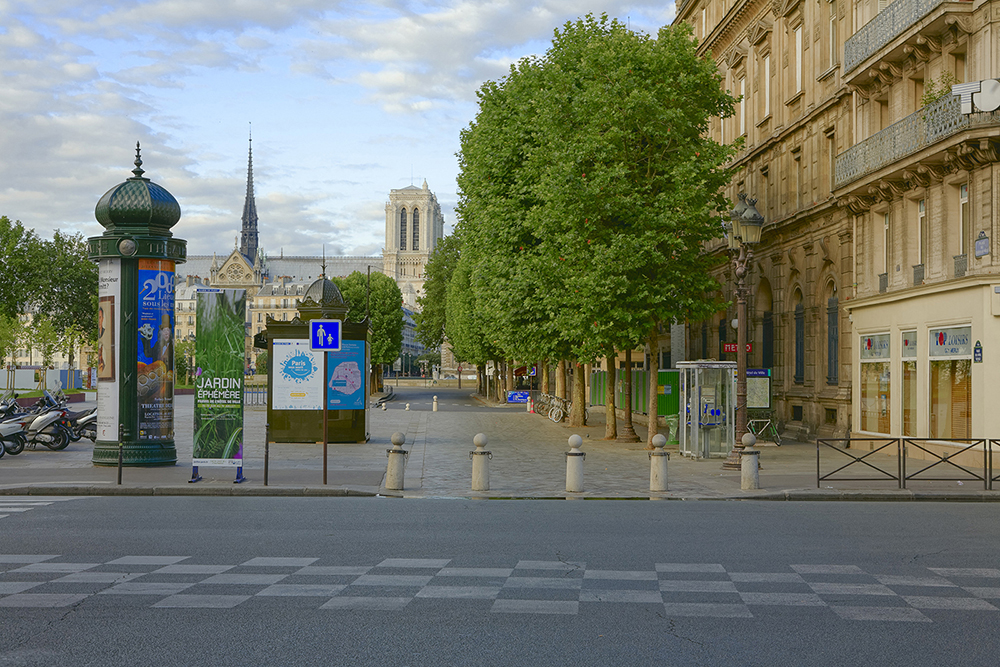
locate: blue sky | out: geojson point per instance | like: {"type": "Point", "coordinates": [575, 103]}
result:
{"type": "Point", "coordinates": [347, 100]}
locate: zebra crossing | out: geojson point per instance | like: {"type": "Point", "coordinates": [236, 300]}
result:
{"type": "Point", "coordinates": [16, 504]}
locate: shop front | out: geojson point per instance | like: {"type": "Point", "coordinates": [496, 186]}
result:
{"type": "Point", "coordinates": [923, 363]}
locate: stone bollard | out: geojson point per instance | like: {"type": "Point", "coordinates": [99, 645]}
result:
{"type": "Point", "coordinates": [749, 463]}
{"type": "Point", "coordinates": [407, 406]}
{"type": "Point", "coordinates": [435, 408]}
{"type": "Point", "coordinates": [658, 464]}
{"type": "Point", "coordinates": [480, 464]}
{"type": "Point", "coordinates": [383, 407]}
{"type": "Point", "coordinates": [397, 462]}
{"type": "Point", "coordinates": [574, 465]}
{"type": "Point", "coordinates": [530, 404]}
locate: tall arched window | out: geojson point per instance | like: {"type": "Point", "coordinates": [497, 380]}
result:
{"type": "Point", "coordinates": [800, 339]}
{"type": "Point", "coordinates": [416, 229]}
{"type": "Point", "coordinates": [402, 229]}
{"type": "Point", "coordinates": [832, 337]}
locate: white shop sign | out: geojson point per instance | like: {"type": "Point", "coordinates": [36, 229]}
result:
{"type": "Point", "coordinates": [951, 342]}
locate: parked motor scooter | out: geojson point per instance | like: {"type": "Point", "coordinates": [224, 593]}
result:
{"type": "Point", "coordinates": [46, 425]}
{"type": "Point", "coordinates": [12, 437]}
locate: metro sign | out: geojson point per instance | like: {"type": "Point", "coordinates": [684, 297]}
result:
{"type": "Point", "coordinates": [732, 347]}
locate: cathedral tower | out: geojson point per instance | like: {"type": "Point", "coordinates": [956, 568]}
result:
{"type": "Point", "coordinates": [413, 227]}
{"type": "Point", "coordinates": [248, 238]}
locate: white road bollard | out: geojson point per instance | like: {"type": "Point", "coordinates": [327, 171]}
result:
{"type": "Point", "coordinates": [749, 463]}
{"type": "Point", "coordinates": [407, 406]}
{"type": "Point", "coordinates": [435, 408]}
{"type": "Point", "coordinates": [658, 460]}
{"type": "Point", "coordinates": [574, 465]}
{"type": "Point", "coordinates": [383, 406]}
{"type": "Point", "coordinates": [397, 462]}
{"type": "Point", "coordinates": [480, 463]}
{"type": "Point", "coordinates": [530, 404]}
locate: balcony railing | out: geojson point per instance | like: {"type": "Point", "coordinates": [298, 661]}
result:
{"type": "Point", "coordinates": [961, 265]}
{"type": "Point", "coordinates": [917, 131]}
{"type": "Point", "coordinates": [885, 27]}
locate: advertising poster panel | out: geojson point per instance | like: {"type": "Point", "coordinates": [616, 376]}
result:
{"type": "Point", "coordinates": [218, 402]}
{"type": "Point", "coordinates": [347, 372]}
{"type": "Point", "coordinates": [156, 350]}
{"type": "Point", "coordinates": [298, 376]}
{"type": "Point", "coordinates": [109, 288]}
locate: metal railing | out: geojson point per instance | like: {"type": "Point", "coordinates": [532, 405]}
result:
{"type": "Point", "coordinates": [936, 121]}
{"type": "Point", "coordinates": [885, 27]}
{"type": "Point", "coordinates": [898, 447]}
{"type": "Point", "coordinates": [254, 394]}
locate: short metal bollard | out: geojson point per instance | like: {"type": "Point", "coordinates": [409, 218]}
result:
{"type": "Point", "coordinates": [435, 408]}
{"type": "Point", "coordinates": [397, 462]}
{"type": "Point", "coordinates": [574, 465]}
{"type": "Point", "coordinates": [749, 463]}
{"type": "Point", "coordinates": [480, 463]}
{"type": "Point", "coordinates": [658, 460]}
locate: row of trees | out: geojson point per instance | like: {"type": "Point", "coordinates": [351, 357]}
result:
{"type": "Point", "coordinates": [53, 279]}
{"type": "Point", "coordinates": [588, 186]}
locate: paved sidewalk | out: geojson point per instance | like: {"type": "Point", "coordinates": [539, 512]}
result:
{"type": "Point", "coordinates": [528, 462]}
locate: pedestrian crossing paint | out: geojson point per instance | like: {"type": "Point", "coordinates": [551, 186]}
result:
{"type": "Point", "coordinates": [834, 592]}
{"type": "Point", "coordinates": [15, 505]}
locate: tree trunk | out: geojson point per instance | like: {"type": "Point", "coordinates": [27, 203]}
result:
{"type": "Point", "coordinates": [578, 412]}
{"type": "Point", "coordinates": [652, 405]}
{"type": "Point", "coordinates": [628, 431]}
{"type": "Point", "coordinates": [496, 382]}
{"type": "Point", "coordinates": [481, 379]}
{"type": "Point", "coordinates": [545, 376]}
{"type": "Point", "coordinates": [561, 379]}
{"type": "Point", "coordinates": [510, 375]}
{"type": "Point", "coordinates": [611, 415]}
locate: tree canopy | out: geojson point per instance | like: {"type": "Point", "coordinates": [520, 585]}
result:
{"type": "Point", "coordinates": [385, 309]}
{"type": "Point", "coordinates": [588, 185]}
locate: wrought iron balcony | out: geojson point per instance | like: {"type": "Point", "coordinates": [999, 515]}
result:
{"type": "Point", "coordinates": [961, 265]}
{"type": "Point", "coordinates": [918, 274]}
{"type": "Point", "coordinates": [917, 131]}
{"type": "Point", "coordinates": [885, 27]}
{"type": "Point", "coordinates": [883, 282]}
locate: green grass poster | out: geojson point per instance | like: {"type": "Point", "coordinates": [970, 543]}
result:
{"type": "Point", "coordinates": [219, 371]}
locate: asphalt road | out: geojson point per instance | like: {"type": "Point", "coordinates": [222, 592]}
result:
{"type": "Point", "coordinates": [377, 581]}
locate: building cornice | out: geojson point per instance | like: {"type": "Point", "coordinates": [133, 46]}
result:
{"type": "Point", "coordinates": [978, 280]}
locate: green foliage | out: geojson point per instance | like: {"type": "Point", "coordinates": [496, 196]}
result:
{"type": "Point", "coordinates": [45, 337]}
{"type": "Point", "coordinates": [21, 267]}
{"type": "Point", "coordinates": [184, 352]}
{"type": "Point", "coordinates": [935, 89]}
{"type": "Point", "coordinates": [263, 363]}
{"type": "Point", "coordinates": [54, 277]}
{"type": "Point", "coordinates": [10, 335]}
{"type": "Point", "coordinates": [385, 309]}
{"type": "Point", "coordinates": [431, 321]}
{"type": "Point", "coordinates": [587, 188]}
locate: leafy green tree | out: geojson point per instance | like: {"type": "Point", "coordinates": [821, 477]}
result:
{"type": "Point", "coordinates": [46, 339]}
{"type": "Point", "coordinates": [184, 359]}
{"type": "Point", "coordinates": [68, 288]}
{"type": "Point", "coordinates": [22, 267]}
{"type": "Point", "coordinates": [431, 321]}
{"type": "Point", "coordinates": [587, 189]}
{"type": "Point", "coordinates": [10, 336]}
{"type": "Point", "coordinates": [386, 313]}
{"type": "Point", "coordinates": [263, 363]}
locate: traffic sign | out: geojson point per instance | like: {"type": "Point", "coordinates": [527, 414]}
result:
{"type": "Point", "coordinates": [325, 335]}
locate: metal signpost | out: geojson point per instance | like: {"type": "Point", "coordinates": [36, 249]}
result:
{"type": "Point", "coordinates": [325, 336]}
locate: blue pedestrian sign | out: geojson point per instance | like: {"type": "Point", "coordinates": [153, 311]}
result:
{"type": "Point", "coordinates": [325, 335]}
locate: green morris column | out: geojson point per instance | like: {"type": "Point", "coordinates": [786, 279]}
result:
{"type": "Point", "coordinates": [136, 258]}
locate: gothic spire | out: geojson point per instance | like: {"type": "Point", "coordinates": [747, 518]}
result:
{"type": "Point", "coordinates": [248, 242]}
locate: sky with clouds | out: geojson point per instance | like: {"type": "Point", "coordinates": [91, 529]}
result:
{"type": "Point", "coordinates": [347, 100]}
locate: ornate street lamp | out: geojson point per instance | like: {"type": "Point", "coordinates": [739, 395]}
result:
{"type": "Point", "coordinates": [743, 232]}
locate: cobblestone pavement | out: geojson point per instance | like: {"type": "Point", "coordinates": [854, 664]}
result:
{"type": "Point", "coordinates": [528, 460]}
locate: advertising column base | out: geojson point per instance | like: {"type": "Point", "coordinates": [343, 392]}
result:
{"type": "Point", "coordinates": [162, 453]}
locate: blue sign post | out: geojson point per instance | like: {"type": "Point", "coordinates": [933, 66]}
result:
{"type": "Point", "coordinates": [325, 335]}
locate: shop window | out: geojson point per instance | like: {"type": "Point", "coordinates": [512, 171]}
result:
{"type": "Point", "coordinates": [950, 355]}
{"type": "Point", "coordinates": [876, 412]}
{"type": "Point", "coordinates": [909, 384]}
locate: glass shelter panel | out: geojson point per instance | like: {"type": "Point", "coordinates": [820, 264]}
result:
{"type": "Point", "coordinates": [708, 397]}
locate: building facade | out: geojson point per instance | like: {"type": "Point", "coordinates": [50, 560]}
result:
{"type": "Point", "coordinates": [782, 59]}
{"type": "Point", "coordinates": [877, 296]}
{"type": "Point", "coordinates": [413, 227]}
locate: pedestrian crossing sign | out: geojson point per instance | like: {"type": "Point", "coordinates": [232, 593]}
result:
{"type": "Point", "coordinates": [325, 335]}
